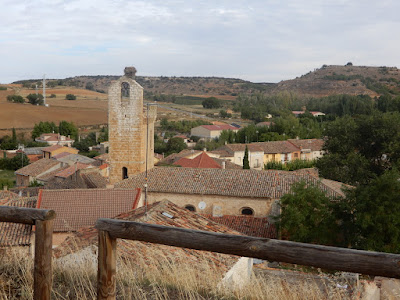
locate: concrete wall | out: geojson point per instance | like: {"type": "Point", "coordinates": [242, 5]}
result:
{"type": "Point", "coordinates": [227, 205]}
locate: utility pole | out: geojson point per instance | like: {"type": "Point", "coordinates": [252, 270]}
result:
{"type": "Point", "coordinates": [44, 89]}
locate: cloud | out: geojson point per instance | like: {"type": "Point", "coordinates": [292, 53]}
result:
{"type": "Point", "coordinates": [261, 40]}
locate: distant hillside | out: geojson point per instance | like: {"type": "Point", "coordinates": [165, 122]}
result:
{"type": "Point", "coordinates": [212, 86]}
{"type": "Point", "coordinates": [349, 79]}
{"type": "Point", "coordinates": [328, 80]}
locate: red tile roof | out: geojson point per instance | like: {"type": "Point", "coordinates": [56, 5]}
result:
{"type": "Point", "coordinates": [312, 144]}
{"type": "Point", "coordinates": [242, 147]}
{"type": "Point", "coordinates": [52, 148]}
{"type": "Point", "coordinates": [277, 147]}
{"type": "Point", "coordinates": [237, 183]}
{"type": "Point", "coordinates": [82, 207]}
{"type": "Point", "coordinates": [13, 234]}
{"type": "Point", "coordinates": [6, 196]}
{"type": "Point", "coordinates": [71, 170]}
{"type": "Point", "coordinates": [200, 161]}
{"type": "Point", "coordinates": [53, 137]}
{"type": "Point", "coordinates": [248, 225]}
{"type": "Point", "coordinates": [160, 213]}
{"type": "Point", "coordinates": [61, 155]}
{"type": "Point", "coordinates": [219, 127]}
{"type": "Point", "coordinates": [38, 167]}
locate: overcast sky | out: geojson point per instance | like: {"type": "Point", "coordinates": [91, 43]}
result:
{"type": "Point", "coordinates": [260, 41]}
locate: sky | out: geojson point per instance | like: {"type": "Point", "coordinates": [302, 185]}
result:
{"type": "Point", "coordinates": [255, 40]}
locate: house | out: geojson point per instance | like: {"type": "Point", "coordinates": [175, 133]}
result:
{"type": "Point", "coordinates": [55, 139]}
{"type": "Point", "coordinates": [72, 159]}
{"type": "Point", "coordinates": [186, 140]}
{"type": "Point", "coordinates": [235, 153]}
{"type": "Point", "coordinates": [49, 152]}
{"type": "Point", "coordinates": [279, 151]}
{"type": "Point", "coordinates": [77, 208]}
{"type": "Point", "coordinates": [14, 234]}
{"type": "Point", "coordinates": [200, 161]}
{"type": "Point", "coordinates": [301, 112]}
{"type": "Point", "coordinates": [211, 131]}
{"type": "Point", "coordinates": [310, 149]}
{"type": "Point", "coordinates": [30, 173]}
{"type": "Point", "coordinates": [33, 153]}
{"type": "Point", "coordinates": [218, 191]}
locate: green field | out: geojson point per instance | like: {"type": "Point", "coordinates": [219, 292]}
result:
{"type": "Point", "coordinates": [7, 178]}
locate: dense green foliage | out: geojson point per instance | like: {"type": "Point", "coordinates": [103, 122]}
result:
{"type": "Point", "coordinates": [15, 99]}
{"type": "Point", "coordinates": [35, 99]}
{"type": "Point", "coordinates": [246, 163]}
{"type": "Point", "coordinates": [211, 102]}
{"type": "Point", "coordinates": [44, 127]}
{"type": "Point", "coordinates": [15, 163]}
{"type": "Point", "coordinates": [70, 97]}
{"type": "Point", "coordinates": [183, 126]}
{"type": "Point", "coordinates": [291, 165]}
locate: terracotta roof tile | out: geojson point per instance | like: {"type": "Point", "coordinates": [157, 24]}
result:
{"type": "Point", "coordinates": [71, 170]}
{"type": "Point", "coordinates": [237, 183]}
{"type": "Point", "coordinates": [200, 161]}
{"type": "Point", "coordinates": [52, 148]}
{"type": "Point", "coordinates": [248, 225]}
{"type": "Point", "coordinates": [312, 144]}
{"type": "Point", "coordinates": [82, 207]}
{"type": "Point", "coordinates": [242, 147]}
{"type": "Point", "coordinates": [13, 234]}
{"type": "Point", "coordinates": [38, 167]}
{"type": "Point", "coordinates": [61, 155]}
{"type": "Point", "coordinates": [277, 147]}
{"type": "Point", "coordinates": [219, 127]}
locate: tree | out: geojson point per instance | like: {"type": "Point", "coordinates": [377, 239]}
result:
{"type": "Point", "coordinates": [175, 145]}
{"type": "Point", "coordinates": [68, 128]}
{"type": "Point", "coordinates": [15, 99]}
{"type": "Point", "coordinates": [70, 97]}
{"type": "Point", "coordinates": [89, 86]}
{"type": "Point", "coordinates": [246, 164]}
{"type": "Point", "coordinates": [43, 127]}
{"type": "Point", "coordinates": [211, 102]}
{"type": "Point", "coordinates": [35, 99]}
{"type": "Point", "coordinates": [376, 213]}
{"type": "Point", "coordinates": [307, 216]}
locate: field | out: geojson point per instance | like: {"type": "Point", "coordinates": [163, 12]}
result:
{"type": "Point", "coordinates": [90, 108]}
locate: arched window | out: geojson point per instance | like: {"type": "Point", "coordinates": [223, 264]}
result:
{"type": "Point", "coordinates": [125, 92]}
{"type": "Point", "coordinates": [124, 173]}
{"type": "Point", "coordinates": [190, 207]}
{"type": "Point", "coordinates": [247, 211]}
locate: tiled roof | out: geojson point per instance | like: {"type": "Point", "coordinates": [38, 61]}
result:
{"type": "Point", "coordinates": [38, 167]}
{"type": "Point", "coordinates": [277, 147]}
{"type": "Point", "coordinates": [94, 180]}
{"type": "Point", "coordinates": [5, 196]}
{"type": "Point", "coordinates": [200, 161]}
{"type": "Point", "coordinates": [222, 152]}
{"type": "Point", "coordinates": [104, 157]}
{"type": "Point", "coordinates": [242, 147]}
{"type": "Point", "coordinates": [13, 234]}
{"type": "Point", "coordinates": [50, 175]}
{"type": "Point", "coordinates": [248, 225]}
{"type": "Point", "coordinates": [52, 148]}
{"type": "Point", "coordinates": [53, 137]}
{"type": "Point", "coordinates": [61, 155]}
{"type": "Point", "coordinates": [219, 127]}
{"type": "Point", "coordinates": [312, 144]}
{"type": "Point", "coordinates": [27, 191]}
{"type": "Point", "coordinates": [237, 183]}
{"type": "Point", "coordinates": [176, 156]}
{"type": "Point", "coordinates": [33, 150]}
{"type": "Point", "coordinates": [71, 170]}
{"type": "Point", "coordinates": [159, 213]}
{"type": "Point", "coordinates": [228, 165]}
{"type": "Point", "coordinates": [82, 207]}
{"type": "Point", "coordinates": [73, 158]}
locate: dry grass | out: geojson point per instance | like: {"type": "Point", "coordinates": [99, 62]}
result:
{"type": "Point", "coordinates": [158, 280]}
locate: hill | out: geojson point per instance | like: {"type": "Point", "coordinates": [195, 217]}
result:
{"type": "Point", "coordinates": [349, 79]}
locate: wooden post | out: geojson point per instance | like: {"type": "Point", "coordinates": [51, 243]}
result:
{"type": "Point", "coordinates": [106, 283]}
{"type": "Point", "coordinates": [42, 274]}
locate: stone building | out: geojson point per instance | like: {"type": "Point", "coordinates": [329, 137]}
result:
{"type": "Point", "coordinates": [127, 123]}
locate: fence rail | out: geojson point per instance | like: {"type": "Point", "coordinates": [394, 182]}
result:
{"type": "Point", "coordinates": [333, 258]}
{"type": "Point", "coordinates": [43, 220]}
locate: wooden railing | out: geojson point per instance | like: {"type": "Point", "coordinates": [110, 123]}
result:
{"type": "Point", "coordinates": [43, 220]}
{"type": "Point", "coordinates": [332, 258]}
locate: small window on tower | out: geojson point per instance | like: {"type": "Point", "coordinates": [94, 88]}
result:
{"type": "Point", "coordinates": [124, 173]}
{"type": "Point", "coordinates": [125, 90]}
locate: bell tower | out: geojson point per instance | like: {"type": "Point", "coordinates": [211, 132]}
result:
{"type": "Point", "coordinates": [127, 128]}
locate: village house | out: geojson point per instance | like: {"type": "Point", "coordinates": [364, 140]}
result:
{"type": "Point", "coordinates": [310, 149]}
{"type": "Point", "coordinates": [55, 139]}
{"type": "Point", "coordinates": [222, 192]}
{"type": "Point", "coordinates": [30, 173]}
{"type": "Point", "coordinates": [200, 161]}
{"type": "Point", "coordinates": [211, 131]}
{"type": "Point", "coordinates": [235, 153]}
{"type": "Point", "coordinates": [49, 152]}
{"type": "Point", "coordinates": [279, 151]}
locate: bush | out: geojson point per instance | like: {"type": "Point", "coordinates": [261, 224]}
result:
{"type": "Point", "coordinates": [35, 99]}
{"type": "Point", "coordinates": [52, 96]}
{"type": "Point", "coordinates": [70, 97]}
{"type": "Point", "coordinates": [3, 88]}
{"type": "Point", "coordinates": [15, 99]}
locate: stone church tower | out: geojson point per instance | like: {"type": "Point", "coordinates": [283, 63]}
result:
{"type": "Point", "coordinates": [127, 128]}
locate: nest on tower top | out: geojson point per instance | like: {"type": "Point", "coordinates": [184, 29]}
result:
{"type": "Point", "coordinates": [130, 72]}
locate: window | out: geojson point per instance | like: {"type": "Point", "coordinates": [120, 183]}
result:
{"type": "Point", "coordinates": [124, 173]}
{"type": "Point", "coordinates": [190, 207]}
{"type": "Point", "coordinates": [125, 91]}
{"type": "Point", "coordinates": [247, 211]}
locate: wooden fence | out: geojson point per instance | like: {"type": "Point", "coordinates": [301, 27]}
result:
{"type": "Point", "coordinates": [333, 258]}
{"type": "Point", "coordinates": [43, 220]}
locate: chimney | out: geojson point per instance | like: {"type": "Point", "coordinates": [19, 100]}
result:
{"type": "Point", "coordinates": [205, 149]}
{"type": "Point", "coordinates": [223, 165]}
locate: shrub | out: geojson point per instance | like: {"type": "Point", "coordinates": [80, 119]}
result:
{"type": "Point", "coordinates": [70, 97]}
{"type": "Point", "coordinates": [35, 99]}
{"type": "Point", "coordinates": [15, 99]}
{"type": "Point", "coordinates": [52, 96]}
